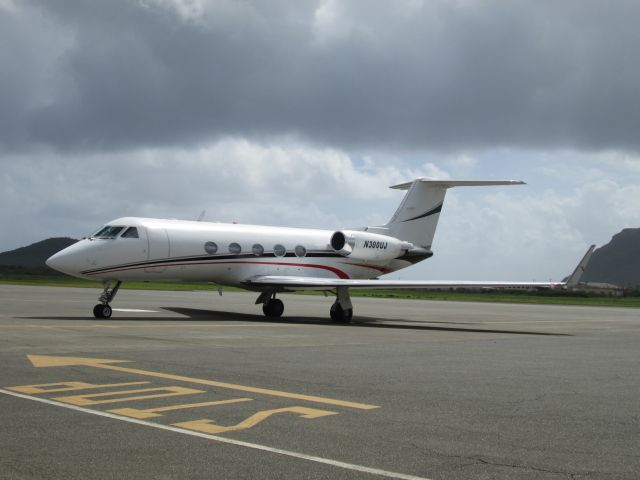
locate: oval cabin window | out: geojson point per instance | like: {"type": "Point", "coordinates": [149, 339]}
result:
{"type": "Point", "coordinates": [210, 248]}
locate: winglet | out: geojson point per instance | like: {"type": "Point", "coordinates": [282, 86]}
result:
{"type": "Point", "coordinates": [575, 277]}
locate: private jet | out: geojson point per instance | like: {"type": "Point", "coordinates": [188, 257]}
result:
{"type": "Point", "coordinates": [272, 260]}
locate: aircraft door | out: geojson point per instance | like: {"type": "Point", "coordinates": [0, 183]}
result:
{"type": "Point", "coordinates": [159, 249]}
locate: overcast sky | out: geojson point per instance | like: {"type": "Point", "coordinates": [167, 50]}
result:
{"type": "Point", "coordinates": [302, 113]}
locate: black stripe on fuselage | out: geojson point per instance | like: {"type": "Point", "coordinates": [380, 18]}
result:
{"type": "Point", "coordinates": [433, 211]}
{"type": "Point", "coordinates": [200, 258]}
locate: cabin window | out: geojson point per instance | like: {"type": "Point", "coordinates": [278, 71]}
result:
{"type": "Point", "coordinates": [211, 248]}
{"type": "Point", "coordinates": [257, 250]}
{"type": "Point", "coordinates": [109, 231]}
{"type": "Point", "coordinates": [300, 251]}
{"type": "Point", "coordinates": [235, 248]}
{"type": "Point", "coordinates": [279, 250]}
{"type": "Point", "coordinates": [131, 232]}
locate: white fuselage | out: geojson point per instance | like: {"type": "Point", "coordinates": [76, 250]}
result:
{"type": "Point", "coordinates": [226, 254]}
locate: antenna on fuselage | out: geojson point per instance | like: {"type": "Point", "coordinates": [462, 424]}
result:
{"type": "Point", "coordinates": [201, 216]}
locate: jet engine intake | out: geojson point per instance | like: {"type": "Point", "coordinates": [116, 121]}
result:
{"type": "Point", "coordinates": [368, 246]}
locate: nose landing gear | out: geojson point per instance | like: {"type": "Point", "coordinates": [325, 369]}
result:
{"type": "Point", "coordinates": [103, 309]}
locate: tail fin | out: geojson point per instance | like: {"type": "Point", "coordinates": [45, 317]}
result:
{"type": "Point", "coordinates": [575, 277]}
{"type": "Point", "coordinates": [417, 216]}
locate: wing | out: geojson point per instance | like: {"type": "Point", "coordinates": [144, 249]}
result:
{"type": "Point", "coordinates": [319, 283]}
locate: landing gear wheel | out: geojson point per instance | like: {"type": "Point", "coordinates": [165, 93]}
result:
{"type": "Point", "coordinates": [273, 307]}
{"type": "Point", "coordinates": [340, 315]}
{"type": "Point", "coordinates": [102, 311]}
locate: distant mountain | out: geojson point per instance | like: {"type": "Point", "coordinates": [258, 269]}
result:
{"type": "Point", "coordinates": [618, 261]}
{"type": "Point", "coordinates": [35, 255]}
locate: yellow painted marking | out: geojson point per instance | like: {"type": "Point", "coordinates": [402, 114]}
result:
{"type": "Point", "coordinates": [87, 399]}
{"type": "Point", "coordinates": [223, 440]}
{"type": "Point", "coordinates": [67, 387]}
{"type": "Point", "coordinates": [50, 361]}
{"type": "Point", "coordinates": [207, 426]}
{"type": "Point", "coordinates": [153, 412]}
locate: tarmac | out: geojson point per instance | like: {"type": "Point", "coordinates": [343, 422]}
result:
{"type": "Point", "coordinates": [193, 385]}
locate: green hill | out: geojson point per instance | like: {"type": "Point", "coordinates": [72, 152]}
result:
{"type": "Point", "coordinates": [618, 261]}
{"type": "Point", "coordinates": [34, 256]}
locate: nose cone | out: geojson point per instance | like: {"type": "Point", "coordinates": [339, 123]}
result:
{"type": "Point", "coordinates": [65, 261]}
{"type": "Point", "coordinates": [59, 262]}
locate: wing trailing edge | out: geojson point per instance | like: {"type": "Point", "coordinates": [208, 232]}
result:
{"type": "Point", "coordinates": [320, 283]}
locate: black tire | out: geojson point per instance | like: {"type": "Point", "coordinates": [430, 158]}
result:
{"type": "Point", "coordinates": [273, 308]}
{"type": "Point", "coordinates": [97, 311]}
{"type": "Point", "coordinates": [102, 311]}
{"type": "Point", "coordinates": [339, 315]}
{"type": "Point", "coordinates": [277, 307]}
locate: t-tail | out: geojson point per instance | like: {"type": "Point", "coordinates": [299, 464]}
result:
{"type": "Point", "coordinates": [416, 218]}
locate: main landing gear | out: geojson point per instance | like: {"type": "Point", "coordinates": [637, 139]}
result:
{"type": "Point", "coordinates": [341, 310]}
{"type": "Point", "coordinates": [103, 309]}
{"type": "Point", "coordinates": [339, 314]}
{"type": "Point", "coordinates": [271, 306]}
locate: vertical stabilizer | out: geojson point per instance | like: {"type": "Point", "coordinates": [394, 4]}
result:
{"type": "Point", "coordinates": [416, 218]}
{"type": "Point", "coordinates": [575, 277]}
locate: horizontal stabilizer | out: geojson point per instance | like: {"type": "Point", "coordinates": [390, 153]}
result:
{"type": "Point", "coordinates": [456, 183]}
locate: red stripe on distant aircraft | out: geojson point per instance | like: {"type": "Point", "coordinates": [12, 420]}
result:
{"type": "Point", "coordinates": [337, 271]}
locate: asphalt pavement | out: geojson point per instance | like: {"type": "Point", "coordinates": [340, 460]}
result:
{"type": "Point", "coordinates": [193, 385]}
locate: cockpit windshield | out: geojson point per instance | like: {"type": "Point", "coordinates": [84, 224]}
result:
{"type": "Point", "coordinates": [108, 231]}
{"type": "Point", "coordinates": [131, 232]}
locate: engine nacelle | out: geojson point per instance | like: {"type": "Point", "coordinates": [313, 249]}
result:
{"type": "Point", "coordinates": [368, 246]}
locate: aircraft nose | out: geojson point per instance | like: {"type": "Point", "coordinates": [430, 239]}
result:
{"type": "Point", "coordinates": [64, 262]}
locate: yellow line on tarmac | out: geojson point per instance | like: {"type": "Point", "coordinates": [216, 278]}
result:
{"type": "Point", "coordinates": [241, 388]}
{"type": "Point", "coordinates": [107, 364]}
{"type": "Point", "coordinates": [153, 412]}
{"type": "Point", "coordinates": [88, 398]}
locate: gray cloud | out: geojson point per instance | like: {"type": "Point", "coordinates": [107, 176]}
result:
{"type": "Point", "coordinates": [98, 76]}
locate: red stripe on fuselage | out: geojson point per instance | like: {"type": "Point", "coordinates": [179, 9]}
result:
{"type": "Point", "coordinates": [374, 267]}
{"type": "Point", "coordinates": [338, 272]}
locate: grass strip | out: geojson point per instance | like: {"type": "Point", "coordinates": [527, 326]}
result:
{"type": "Point", "coordinates": [542, 298]}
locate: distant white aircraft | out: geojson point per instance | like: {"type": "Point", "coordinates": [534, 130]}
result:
{"type": "Point", "coordinates": [270, 260]}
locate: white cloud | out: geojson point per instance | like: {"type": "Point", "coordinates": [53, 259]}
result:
{"type": "Point", "coordinates": [285, 183]}
{"type": "Point", "coordinates": [187, 10]}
